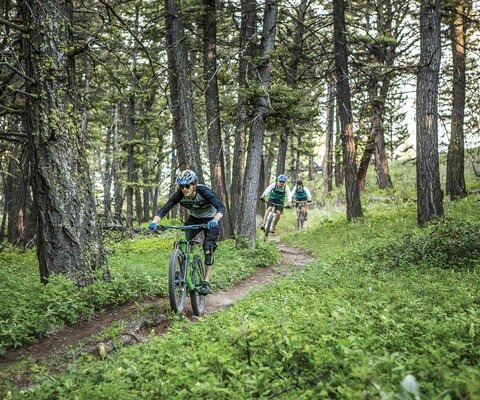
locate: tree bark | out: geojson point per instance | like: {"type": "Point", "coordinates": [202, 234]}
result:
{"type": "Point", "coordinates": [292, 78]}
{"type": "Point", "coordinates": [21, 226]}
{"type": "Point", "coordinates": [181, 91]}
{"type": "Point", "coordinates": [455, 179]}
{"type": "Point", "coordinates": [354, 208]}
{"type": "Point", "coordinates": [212, 109]}
{"type": "Point", "coordinates": [69, 238]}
{"type": "Point", "coordinates": [247, 31]}
{"type": "Point", "coordinates": [327, 169]}
{"type": "Point", "coordinates": [257, 131]}
{"type": "Point", "coordinates": [131, 128]}
{"type": "Point", "coordinates": [429, 193]}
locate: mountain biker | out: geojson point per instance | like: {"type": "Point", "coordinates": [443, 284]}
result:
{"type": "Point", "coordinates": [204, 207]}
{"type": "Point", "coordinates": [277, 193]}
{"type": "Point", "coordinates": [301, 194]}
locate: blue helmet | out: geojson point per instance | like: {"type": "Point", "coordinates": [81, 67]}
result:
{"type": "Point", "coordinates": [282, 178]}
{"type": "Point", "coordinates": [186, 177]}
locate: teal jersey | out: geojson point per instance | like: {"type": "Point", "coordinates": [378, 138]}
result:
{"type": "Point", "coordinates": [300, 195]}
{"type": "Point", "coordinates": [278, 193]}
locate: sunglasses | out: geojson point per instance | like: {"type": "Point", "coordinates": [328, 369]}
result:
{"type": "Point", "coordinates": [184, 186]}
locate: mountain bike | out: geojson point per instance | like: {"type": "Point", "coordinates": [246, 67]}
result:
{"type": "Point", "coordinates": [301, 214]}
{"type": "Point", "coordinates": [186, 271]}
{"type": "Point", "coordinates": [270, 218]}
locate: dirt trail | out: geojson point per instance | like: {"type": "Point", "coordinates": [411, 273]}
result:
{"type": "Point", "coordinates": [51, 352]}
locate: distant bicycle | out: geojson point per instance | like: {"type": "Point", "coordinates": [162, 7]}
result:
{"type": "Point", "coordinates": [186, 271]}
{"type": "Point", "coordinates": [270, 218]}
{"type": "Point", "coordinates": [301, 214]}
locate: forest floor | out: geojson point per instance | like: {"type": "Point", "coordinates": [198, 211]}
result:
{"type": "Point", "coordinates": [53, 353]}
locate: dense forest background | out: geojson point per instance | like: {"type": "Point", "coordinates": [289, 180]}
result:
{"type": "Point", "coordinates": [103, 102]}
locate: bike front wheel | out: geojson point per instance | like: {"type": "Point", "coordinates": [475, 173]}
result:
{"type": "Point", "coordinates": [300, 219]}
{"type": "Point", "coordinates": [198, 275]}
{"type": "Point", "coordinates": [177, 288]}
{"type": "Point", "coordinates": [269, 224]}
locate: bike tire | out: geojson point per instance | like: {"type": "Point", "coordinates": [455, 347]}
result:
{"type": "Point", "coordinates": [177, 288]}
{"type": "Point", "coordinates": [269, 223]}
{"type": "Point", "coordinates": [198, 275]}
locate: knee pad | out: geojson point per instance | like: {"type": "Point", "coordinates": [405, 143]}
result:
{"type": "Point", "coordinates": [209, 258]}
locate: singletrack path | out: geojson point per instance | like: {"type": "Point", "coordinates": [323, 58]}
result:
{"type": "Point", "coordinates": [56, 351]}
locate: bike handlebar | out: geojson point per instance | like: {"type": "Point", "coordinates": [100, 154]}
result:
{"type": "Point", "coordinates": [181, 227]}
{"type": "Point", "coordinates": [161, 228]}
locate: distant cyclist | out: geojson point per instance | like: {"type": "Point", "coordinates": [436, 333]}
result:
{"type": "Point", "coordinates": [277, 193]}
{"type": "Point", "coordinates": [204, 207]}
{"type": "Point", "coordinates": [301, 194]}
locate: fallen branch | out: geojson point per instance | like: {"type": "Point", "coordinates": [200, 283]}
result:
{"type": "Point", "coordinates": [133, 334]}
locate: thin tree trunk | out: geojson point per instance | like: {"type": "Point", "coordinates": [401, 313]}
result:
{"type": "Point", "coordinates": [455, 179]}
{"type": "Point", "coordinates": [282, 149]}
{"type": "Point", "coordinates": [364, 163]}
{"type": "Point", "coordinates": [292, 82]}
{"type": "Point", "coordinates": [327, 169]}
{"type": "Point", "coordinates": [338, 167]}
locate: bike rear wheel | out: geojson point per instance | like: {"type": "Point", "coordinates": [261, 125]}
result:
{"type": "Point", "coordinates": [300, 218]}
{"type": "Point", "coordinates": [176, 281]}
{"type": "Point", "coordinates": [198, 275]}
{"type": "Point", "coordinates": [269, 224]}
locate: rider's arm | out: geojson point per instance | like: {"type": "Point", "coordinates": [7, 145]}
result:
{"type": "Point", "coordinates": [289, 193]}
{"type": "Point", "coordinates": [309, 195]}
{"type": "Point", "coordinates": [171, 202]}
{"type": "Point", "coordinates": [290, 198]}
{"type": "Point", "coordinates": [268, 190]}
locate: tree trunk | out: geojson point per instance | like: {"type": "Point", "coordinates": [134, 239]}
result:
{"type": "Point", "coordinates": [364, 163]}
{"type": "Point", "coordinates": [131, 191]}
{"type": "Point", "coordinates": [247, 47]}
{"type": "Point", "coordinates": [21, 226]}
{"type": "Point", "coordinates": [116, 165]}
{"type": "Point", "coordinates": [292, 82]}
{"type": "Point", "coordinates": [338, 167]}
{"type": "Point", "coordinates": [282, 149]}
{"type": "Point", "coordinates": [327, 169]}
{"type": "Point", "coordinates": [257, 131]}
{"type": "Point", "coordinates": [212, 108]}
{"type": "Point", "coordinates": [354, 208]}
{"type": "Point", "coordinates": [69, 238]}
{"type": "Point", "coordinates": [429, 193]}
{"type": "Point", "coordinates": [181, 91]}
{"type": "Point", "coordinates": [455, 179]}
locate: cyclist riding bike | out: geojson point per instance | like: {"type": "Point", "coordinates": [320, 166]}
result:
{"type": "Point", "coordinates": [205, 207]}
{"type": "Point", "coordinates": [277, 193]}
{"type": "Point", "coordinates": [301, 194]}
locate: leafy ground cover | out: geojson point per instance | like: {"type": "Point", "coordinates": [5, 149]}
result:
{"type": "Point", "coordinates": [30, 310]}
{"type": "Point", "coordinates": [386, 312]}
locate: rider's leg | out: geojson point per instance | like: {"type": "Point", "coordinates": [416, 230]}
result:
{"type": "Point", "coordinates": [209, 246]}
{"type": "Point", "coordinates": [208, 272]}
{"type": "Point", "coordinates": [265, 216]}
{"type": "Point", "coordinates": [277, 218]}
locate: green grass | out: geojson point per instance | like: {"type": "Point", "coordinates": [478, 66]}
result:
{"type": "Point", "coordinates": [360, 322]}
{"type": "Point", "coordinates": [388, 310]}
{"type": "Point", "coordinates": [30, 310]}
